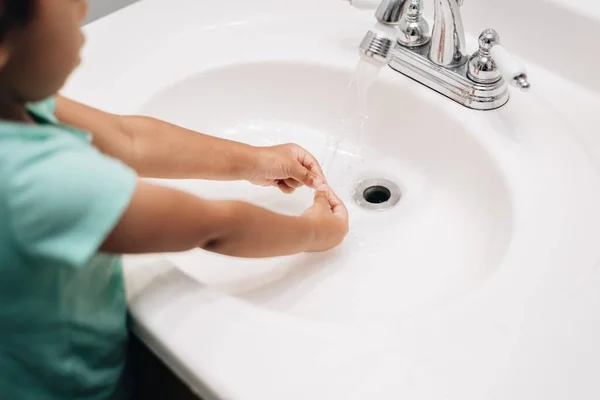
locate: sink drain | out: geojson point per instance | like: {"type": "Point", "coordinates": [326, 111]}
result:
{"type": "Point", "coordinates": [377, 194]}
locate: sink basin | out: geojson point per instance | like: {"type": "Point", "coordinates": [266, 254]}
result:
{"type": "Point", "coordinates": [447, 234]}
{"type": "Point", "coordinates": [482, 282]}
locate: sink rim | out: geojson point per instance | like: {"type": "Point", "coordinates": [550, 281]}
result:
{"type": "Point", "coordinates": [455, 184]}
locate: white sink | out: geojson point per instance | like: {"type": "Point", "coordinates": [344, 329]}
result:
{"type": "Point", "coordinates": [481, 283]}
{"type": "Point", "coordinates": [455, 199]}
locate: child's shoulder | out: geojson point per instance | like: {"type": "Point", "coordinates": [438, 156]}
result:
{"type": "Point", "coordinates": [36, 143]}
{"type": "Point", "coordinates": [23, 144]}
{"type": "Point", "coordinates": [42, 155]}
{"type": "Point", "coordinates": [59, 193]}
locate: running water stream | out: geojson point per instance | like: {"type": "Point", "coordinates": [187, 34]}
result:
{"type": "Point", "coordinates": [350, 133]}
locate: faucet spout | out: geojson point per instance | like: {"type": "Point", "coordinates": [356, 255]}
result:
{"type": "Point", "coordinates": [377, 45]}
{"type": "Point", "coordinates": [448, 36]}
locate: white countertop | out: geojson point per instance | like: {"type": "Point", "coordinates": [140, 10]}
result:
{"type": "Point", "coordinates": [583, 7]}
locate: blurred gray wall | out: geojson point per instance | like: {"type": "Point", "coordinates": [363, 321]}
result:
{"type": "Point", "coordinates": [100, 8]}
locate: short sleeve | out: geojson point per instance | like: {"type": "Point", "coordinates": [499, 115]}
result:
{"type": "Point", "coordinates": [63, 203]}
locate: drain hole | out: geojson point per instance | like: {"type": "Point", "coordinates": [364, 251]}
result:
{"type": "Point", "coordinates": [377, 194]}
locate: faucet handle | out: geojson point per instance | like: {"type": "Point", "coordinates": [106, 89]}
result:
{"type": "Point", "coordinates": [492, 61]}
{"type": "Point", "coordinates": [413, 30]}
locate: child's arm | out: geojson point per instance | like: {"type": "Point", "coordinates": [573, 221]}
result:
{"type": "Point", "coordinates": [158, 149]}
{"type": "Point", "coordinates": [164, 220]}
{"type": "Point", "coordinates": [63, 203]}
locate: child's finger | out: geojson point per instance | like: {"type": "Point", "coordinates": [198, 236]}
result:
{"type": "Point", "coordinates": [316, 168]}
{"type": "Point", "coordinates": [340, 210]}
{"type": "Point", "coordinates": [306, 177]}
{"type": "Point", "coordinates": [337, 205]}
{"type": "Point", "coordinates": [309, 162]}
{"type": "Point", "coordinates": [293, 183]}
{"type": "Point", "coordinates": [284, 187]}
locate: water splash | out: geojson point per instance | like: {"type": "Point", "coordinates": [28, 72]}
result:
{"type": "Point", "coordinates": [354, 113]}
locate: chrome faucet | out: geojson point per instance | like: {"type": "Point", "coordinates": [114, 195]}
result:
{"type": "Point", "coordinates": [438, 60]}
{"type": "Point", "coordinates": [448, 36]}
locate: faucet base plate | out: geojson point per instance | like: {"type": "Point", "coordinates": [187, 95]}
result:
{"type": "Point", "coordinates": [451, 82]}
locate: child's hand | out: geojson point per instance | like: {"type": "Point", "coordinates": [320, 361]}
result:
{"type": "Point", "coordinates": [329, 219]}
{"type": "Point", "coordinates": [286, 166]}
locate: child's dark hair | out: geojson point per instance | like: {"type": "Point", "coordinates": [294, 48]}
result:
{"type": "Point", "coordinates": [14, 13]}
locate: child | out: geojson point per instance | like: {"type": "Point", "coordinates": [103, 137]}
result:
{"type": "Point", "coordinates": [68, 208]}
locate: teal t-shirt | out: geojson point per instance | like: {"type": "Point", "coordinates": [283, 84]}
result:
{"type": "Point", "coordinates": [63, 322]}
